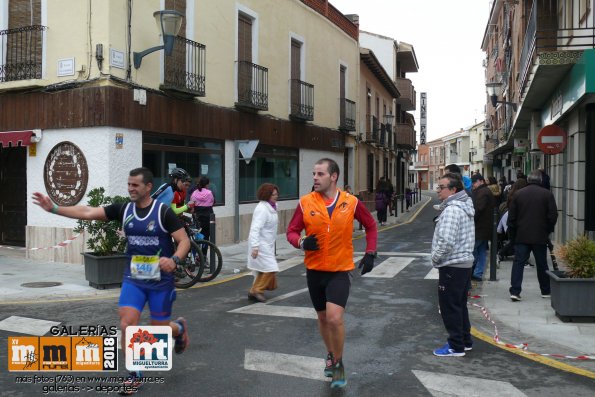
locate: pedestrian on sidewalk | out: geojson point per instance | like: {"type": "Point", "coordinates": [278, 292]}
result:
{"type": "Point", "coordinates": [203, 200]}
{"type": "Point", "coordinates": [149, 226]}
{"type": "Point", "coordinates": [452, 254]}
{"type": "Point", "coordinates": [382, 200]}
{"type": "Point", "coordinates": [261, 242]}
{"type": "Point", "coordinates": [329, 256]}
{"type": "Point", "coordinates": [483, 203]}
{"type": "Point", "coordinates": [408, 198]}
{"type": "Point", "coordinates": [532, 216]}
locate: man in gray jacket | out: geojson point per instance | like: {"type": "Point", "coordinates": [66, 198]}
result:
{"type": "Point", "coordinates": [452, 254]}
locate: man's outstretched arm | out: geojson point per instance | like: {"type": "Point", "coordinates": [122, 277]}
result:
{"type": "Point", "coordinates": [76, 212]}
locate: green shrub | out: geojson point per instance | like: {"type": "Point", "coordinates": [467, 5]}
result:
{"type": "Point", "coordinates": [103, 237]}
{"type": "Point", "coordinates": [579, 256]}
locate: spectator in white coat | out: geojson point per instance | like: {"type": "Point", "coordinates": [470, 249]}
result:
{"type": "Point", "coordinates": [261, 242]}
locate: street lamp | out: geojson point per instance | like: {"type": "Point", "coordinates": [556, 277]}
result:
{"type": "Point", "coordinates": [491, 88]}
{"type": "Point", "coordinates": [169, 23]}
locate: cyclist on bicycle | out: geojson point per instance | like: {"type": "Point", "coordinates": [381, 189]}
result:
{"type": "Point", "coordinates": [173, 194]}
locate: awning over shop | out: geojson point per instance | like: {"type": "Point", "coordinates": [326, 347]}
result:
{"type": "Point", "coordinates": [15, 138]}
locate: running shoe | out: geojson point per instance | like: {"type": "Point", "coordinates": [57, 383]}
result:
{"type": "Point", "coordinates": [328, 369]}
{"type": "Point", "coordinates": [181, 341]}
{"type": "Point", "coordinates": [515, 298]}
{"type": "Point", "coordinates": [339, 379]}
{"type": "Point", "coordinates": [131, 385]}
{"type": "Point", "coordinates": [446, 351]}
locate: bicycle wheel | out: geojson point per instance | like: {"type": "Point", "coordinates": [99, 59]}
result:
{"type": "Point", "coordinates": [213, 261]}
{"type": "Point", "coordinates": [190, 271]}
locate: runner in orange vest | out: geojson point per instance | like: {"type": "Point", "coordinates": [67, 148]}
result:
{"type": "Point", "coordinates": [327, 215]}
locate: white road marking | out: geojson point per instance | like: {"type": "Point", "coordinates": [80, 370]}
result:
{"type": "Point", "coordinates": [265, 309]}
{"type": "Point", "coordinates": [285, 364]}
{"type": "Point", "coordinates": [398, 253]}
{"type": "Point", "coordinates": [26, 325]}
{"type": "Point", "coordinates": [432, 274]}
{"type": "Point", "coordinates": [389, 268]}
{"type": "Point", "coordinates": [291, 262]}
{"type": "Point", "coordinates": [452, 385]}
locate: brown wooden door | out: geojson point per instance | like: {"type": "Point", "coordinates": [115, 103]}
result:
{"type": "Point", "coordinates": [13, 195]}
{"type": "Point", "coordinates": [244, 54]}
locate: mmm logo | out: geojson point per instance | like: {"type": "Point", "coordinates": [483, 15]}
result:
{"type": "Point", "coordinates": [23, 353]}
{"type": "Point", "coordinates": [55, 353]}
{"type": "Point", "coordinates": [149, 348]}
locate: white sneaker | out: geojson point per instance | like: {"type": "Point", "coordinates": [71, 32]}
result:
{"type": "Point", "coordinates": [515, 298]}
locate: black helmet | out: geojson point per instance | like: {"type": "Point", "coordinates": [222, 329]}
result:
{"type": "Point", "coordinates": [179, 173]}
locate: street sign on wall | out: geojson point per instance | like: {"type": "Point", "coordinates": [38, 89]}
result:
{"type": "Point", "coordinates": [552, 139]}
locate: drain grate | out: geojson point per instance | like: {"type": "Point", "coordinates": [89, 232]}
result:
{"type": "Point", "coordinates": [41, 284]}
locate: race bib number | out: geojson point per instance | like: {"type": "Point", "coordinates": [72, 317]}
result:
{"type": "Point", "coordinates": [145, 267]}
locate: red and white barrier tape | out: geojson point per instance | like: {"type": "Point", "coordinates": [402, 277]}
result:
{"type": "Point", "coordinates": [523, 347]}
{"type": "Point", "coordinates": [59, 245]}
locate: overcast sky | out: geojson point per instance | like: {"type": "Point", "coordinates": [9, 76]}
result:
{"type": "Point", "coordinates": [446, 36]}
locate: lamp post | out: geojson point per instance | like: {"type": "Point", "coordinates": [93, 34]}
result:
{"type": "Point", "coordinates": [491, 89]}
{"type": "Point", "coordinates": [169, 23]}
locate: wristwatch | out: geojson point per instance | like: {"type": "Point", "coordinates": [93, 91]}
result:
{"type": "Point", "coordinates": [176, 260]}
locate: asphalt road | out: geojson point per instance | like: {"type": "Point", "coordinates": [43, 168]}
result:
{"type": "Point", "coordinates": [392, 326]}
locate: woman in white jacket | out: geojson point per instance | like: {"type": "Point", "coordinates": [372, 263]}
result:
{"type": "Point", "coordinates": [261, 242]}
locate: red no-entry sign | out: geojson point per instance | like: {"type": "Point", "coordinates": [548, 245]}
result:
{"type": "Point", "coordinates": [552, 139]}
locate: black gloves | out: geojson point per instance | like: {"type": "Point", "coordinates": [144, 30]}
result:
{"type": "Point", "coordinates": [310, 243]}
{"type": "Point", "coordinates": [367, 263]}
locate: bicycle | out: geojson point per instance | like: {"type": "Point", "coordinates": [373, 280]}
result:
{"type": "Point", "coordinates": [212, 260]}
{"type": "Point", "coordinates": [189, 271]}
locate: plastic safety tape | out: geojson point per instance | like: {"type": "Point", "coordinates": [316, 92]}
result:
{"type": "Point", "coordinates": [59, 245]}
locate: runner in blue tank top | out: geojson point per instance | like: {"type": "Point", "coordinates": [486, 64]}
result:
{"type": "Point", "coordinates": [149, 227]}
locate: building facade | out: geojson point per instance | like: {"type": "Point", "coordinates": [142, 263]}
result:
{"type": "Point", "coordinates": [540, 60]}
{"type": "Point", "coordinates": [81, 107]}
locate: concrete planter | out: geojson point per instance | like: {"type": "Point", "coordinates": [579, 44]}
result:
{"type": "Point", "coordinates": [572, 298]}
{"type": "Point", "coordinates": [104, 271]}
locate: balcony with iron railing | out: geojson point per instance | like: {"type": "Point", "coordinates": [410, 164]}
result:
{"type": "Point", "coordinates": [383, 139]}
{"type": "Point", "coordinates": [346, 114]}
{"type": "Point", "coordinates": [405, 135]}
{"type": "Point", "coordinates": [253, 88]}
{"type": "Point", "coordinates": [390, 134]}
{"type": "Point", "coordinates": [302, 100]}
{"type": "Point", "coordinates": [21, 52]}
{"type": "Point", "coordinates": [372, 129]}
{"type": "Point", "coordinates": [185, 69]}
{"type": "Point", "coordinates": [407, 100]}
{"type": "Point", "coordinates": [550, 29]}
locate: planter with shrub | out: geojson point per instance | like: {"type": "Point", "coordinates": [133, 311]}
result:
{"type": "Point", "coordinates": [105, 262]}
{"type": "Point", "coordinates": [573, 289]}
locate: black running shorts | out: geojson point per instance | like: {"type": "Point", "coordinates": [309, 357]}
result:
{"type": "Point", "coordinates": [328, 287]}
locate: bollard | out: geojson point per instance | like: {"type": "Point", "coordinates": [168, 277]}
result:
{"type": "Point", "coordinates": [212, 239]}
{"type": "Point", "coordinates": [494, 247]}
{"type": "Point", "coordinates": [402, 204]}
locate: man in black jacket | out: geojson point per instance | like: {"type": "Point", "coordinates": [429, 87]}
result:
{"type": "Point", "coordinates": [532, 216]}
{"type": "Point", "coordinates": [484, 203]}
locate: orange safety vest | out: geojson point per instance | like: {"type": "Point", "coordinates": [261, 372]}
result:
{"type": "Point", "coordinates": [334, 233]}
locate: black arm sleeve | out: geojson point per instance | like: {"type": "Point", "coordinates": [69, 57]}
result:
{"type": "Point", "coordinates": [171, 222]}
{"type": "Point", "coordinates": [115, 212]}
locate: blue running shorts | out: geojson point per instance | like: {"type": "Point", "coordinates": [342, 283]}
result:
{"type": "Point", "coordinates": [160, 301]}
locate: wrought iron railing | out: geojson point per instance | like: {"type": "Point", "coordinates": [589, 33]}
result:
{"type": "Point", "coordinates": [185, 70]}
{"type": "Point", "coordinates": [382, 140]}
{"type": "Point", "coordinates": [346, 114]}
{"type": "Point", "coordinates": [253, 86]}
{"type": "Point", "coordinates": [302, 100]}
{"type": "Point", "coordinates": [21, 52]}
{"type": "Point", "coordinates": [372, 129]}
{"type": "Point", "coordinates": [390, 135]}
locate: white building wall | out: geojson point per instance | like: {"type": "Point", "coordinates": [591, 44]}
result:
{"type": "Point", "coordinates": [307, 160]}
{"type": "Point", "coordinates": [383, 49]}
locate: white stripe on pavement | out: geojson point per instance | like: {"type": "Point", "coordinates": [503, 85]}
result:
{"type": "Point", "coordinates": [26, 325]}
{"type": "Point", "coordinates": [285, 364]}
{"type": "Point", "coordinates": [277, 311]}
{"type": "Point", "coordinates": [389, 268]}
{"type": "Point", "coordinates": [398, 253]}
{"type": "Point", "coordinates": [452, 385]}
{"type": "Point", "coordinates": [432, 274]}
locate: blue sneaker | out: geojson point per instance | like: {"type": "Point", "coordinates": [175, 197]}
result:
{"type": "Point", "coordinates": [446, 351]}
{"type": "Point", "coordinates": [328, 369]}
{"type": "Point", "coordinates": [339, 379]}
{"type": "Point", "coordinates": [181, 341]}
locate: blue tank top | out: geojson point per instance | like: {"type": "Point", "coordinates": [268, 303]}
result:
{"type": "Point", "coordinates": [147, 237]}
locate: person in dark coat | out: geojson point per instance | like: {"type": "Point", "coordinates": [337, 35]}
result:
{"type": "Point", "coordinates": [483, 203]}
{"type": "Point", "coordinates": [532, 216]}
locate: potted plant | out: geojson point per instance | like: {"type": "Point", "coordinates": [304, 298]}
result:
{"type": "Point", "coordinates": [573, 289]}
{"type": "Point", "coordinates": [105, 261]}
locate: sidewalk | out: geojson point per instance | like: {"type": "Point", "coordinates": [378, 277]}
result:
{"type": "Point", "coordinates": [531, 321]}
{"type": "Point", "coordinates": [17, 271]}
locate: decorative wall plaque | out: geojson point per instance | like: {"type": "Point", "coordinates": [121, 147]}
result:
{"type": "Point", "coordinates": [66, 174]}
